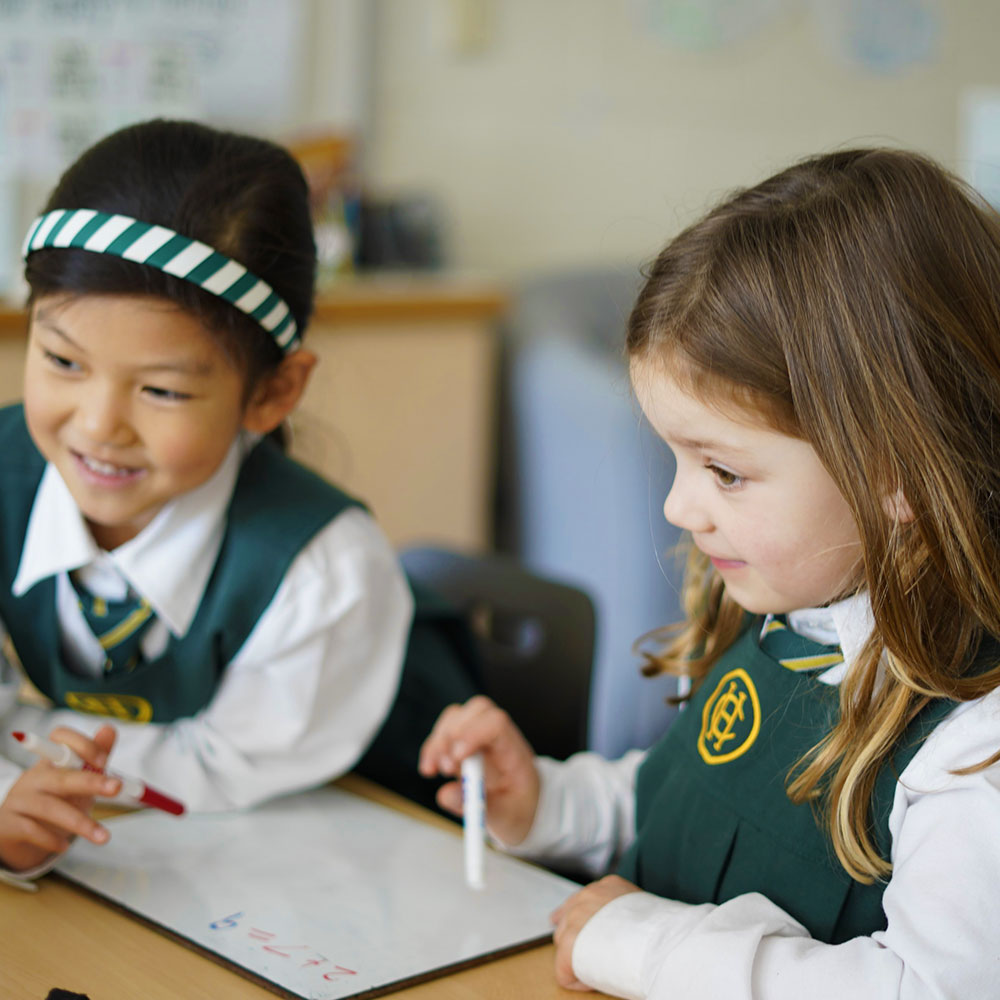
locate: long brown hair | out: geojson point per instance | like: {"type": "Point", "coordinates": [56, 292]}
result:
{"type": "Point", "coordinates": [853, 301]}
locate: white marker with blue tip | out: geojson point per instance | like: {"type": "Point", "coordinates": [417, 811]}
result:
{"type": "Point", "coordinates": [474, 820]}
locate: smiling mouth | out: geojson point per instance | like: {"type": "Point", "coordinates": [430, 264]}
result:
{"type": "Point", "coordinates": [105, 470]}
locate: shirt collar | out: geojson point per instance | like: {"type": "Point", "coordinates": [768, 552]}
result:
{"type": "Point", "coordinates": [847, 623]}
{"type": "Point", "coordinates": [57, 539]}
{"type": "Point", "coordinates": [168, 562]}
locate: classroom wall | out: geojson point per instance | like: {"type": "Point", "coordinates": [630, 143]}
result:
{"type": "Point", "coordinates": [571, 131]}
{"type": "Point", "coordinates": [558, 132]}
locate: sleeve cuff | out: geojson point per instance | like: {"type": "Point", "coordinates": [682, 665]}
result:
{"type": "Point", "coordinates": [27, 879]}
{"type": "Point", "coordinates": [18, 881]}
{"type": "Point", "coordinates": [611, 951]}
{"type": "Point", "coordinates": [545, 827]}
{"type": "Point", "coordinates": [585, 814]}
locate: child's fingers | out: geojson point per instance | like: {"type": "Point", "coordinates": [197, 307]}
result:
{"type": "Point", "coordinates": [45, 809]}
{"type": "Point", "coordinates": [105, 738]}
{"type": "Point", "coordinates": [62, 818]}
{"type": "Point", "coordinates": [432, 749]}
{"type": "Point", "coordinates": [565, 976]}
{"type": "Point", "coordinates": [571, 917]}
{"type": "Point", "coordinates": [70, 783]}
{"type": "Point", "coordinates": [511, 778]}
{"type": "Point", "coordinates": [452, 727]}
{"type": "Point", "coordinates": [79, 824]}
{"type": "Point", "coordinates": [449, 797]}
{"type": "Point", "coordinates": [80, 787]}
{"type": "Point", "coordinates": [26, 831]}
{"type": "Point", "coordinates": [91, 751]}
{"type": "Point", "coordinates": [460, 730]}
{"type": "Point", "coordinates": [567, 923]}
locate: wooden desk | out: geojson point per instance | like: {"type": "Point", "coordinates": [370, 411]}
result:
{"type": "Point", "coordinates": [63, 937]}
{"type": "Point", "coordinates": [401, 408]}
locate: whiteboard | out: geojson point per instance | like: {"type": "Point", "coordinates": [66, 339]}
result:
{"type": "Point", "coordinates": [324, 895]}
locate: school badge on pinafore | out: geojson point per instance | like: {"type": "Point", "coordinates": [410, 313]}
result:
{"type": "Point", "coordinates": [730, 719]}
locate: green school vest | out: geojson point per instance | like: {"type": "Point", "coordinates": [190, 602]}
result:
{"type": "Point", "coordinates": [713, 820]}
{"type": "Point", "coordinates": [276, 508]}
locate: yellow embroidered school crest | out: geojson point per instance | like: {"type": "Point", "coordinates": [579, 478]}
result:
{"type": "Point", "coordinates": [730, 720]}
{"type": "Point", "coordinates": [128, 707]}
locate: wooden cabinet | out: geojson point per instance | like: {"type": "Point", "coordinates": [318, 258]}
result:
{"type": "Point", "coordinates": [401, 407]}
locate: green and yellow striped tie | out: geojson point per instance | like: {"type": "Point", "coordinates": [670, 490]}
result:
{"type": "Point", "coordinates": [795, 651]}
{"type": "Point", "coordinates": [117, 625]}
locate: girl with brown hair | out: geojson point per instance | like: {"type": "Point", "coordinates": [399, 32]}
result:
{"type": "Point", "coordinates": [821, 352]}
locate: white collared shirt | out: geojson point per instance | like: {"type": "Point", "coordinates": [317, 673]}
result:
{"type": "Point", "coordinates": [168, 563]}
{"type": "Point", "coordinates": [300, 701]}
{"type": "Point", "coordinates": [942, 901]}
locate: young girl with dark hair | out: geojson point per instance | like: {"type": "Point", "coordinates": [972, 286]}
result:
{"type": "Point", "coordinates": [821, 353]}
{"type": "Point", "coordinates": [164, 564]}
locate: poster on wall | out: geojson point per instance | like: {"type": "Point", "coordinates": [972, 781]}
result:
{"type": "Point", "coordinates": [72, 70]}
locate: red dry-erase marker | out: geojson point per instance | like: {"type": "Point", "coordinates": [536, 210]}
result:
{"type": "Point", "coordinates": [133, 790]}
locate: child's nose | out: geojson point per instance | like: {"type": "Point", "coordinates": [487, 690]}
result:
{"type": "Point", "coordinates": [682, 509]}
{"type": "Point", "coordinates": [103, 416]}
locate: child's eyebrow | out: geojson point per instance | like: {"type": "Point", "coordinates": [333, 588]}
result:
{"type": "Point", "coordinates": [199, 368]}
{"type": "Point", "coordinates": [704, 444]}
{"type": "Point", "coordinates": [50, 323]}
{"type": "Point", "coordinates": [192, 368]}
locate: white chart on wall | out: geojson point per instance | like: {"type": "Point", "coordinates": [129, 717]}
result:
{"type": "Point", "coordinates": [71, 72]}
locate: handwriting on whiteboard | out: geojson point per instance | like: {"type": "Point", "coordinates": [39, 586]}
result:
{"type": "Point", "coordinates": [303, 955]}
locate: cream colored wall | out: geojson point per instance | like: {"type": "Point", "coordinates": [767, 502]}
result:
{"type": "Point", "coordinates": [573, 137]}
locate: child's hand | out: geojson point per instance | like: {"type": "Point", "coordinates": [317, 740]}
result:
{"type": "Point", "coordinates": [47, 806]}
{"type": "Point", "coordinates": [510, 777]}
{"type": "Point", "coordinates": [573, 914]}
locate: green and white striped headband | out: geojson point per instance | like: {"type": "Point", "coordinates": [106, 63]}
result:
{"type": "Point", "coordinates": [162, 248]}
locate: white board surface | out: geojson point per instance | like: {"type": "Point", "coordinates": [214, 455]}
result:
{"type": "Point", "coordinates": [324, 895]}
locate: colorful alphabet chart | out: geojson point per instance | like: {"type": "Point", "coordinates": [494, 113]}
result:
{"type": "Point", "coordinates": [321, 895]}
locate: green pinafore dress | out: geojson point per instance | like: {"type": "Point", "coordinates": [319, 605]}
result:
{"type": "Point", "coordinates": [713, 819]}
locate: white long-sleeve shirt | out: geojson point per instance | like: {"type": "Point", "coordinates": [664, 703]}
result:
{"type": "Point", "coordinates": [942, 902]}
{"type": "Point", "coordinates": [299, 702]}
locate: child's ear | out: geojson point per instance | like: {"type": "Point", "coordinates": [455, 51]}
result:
{"type": "Point", "coordinates": [278, 393]}
{"type": "Point", "coordinates": [898, 508]}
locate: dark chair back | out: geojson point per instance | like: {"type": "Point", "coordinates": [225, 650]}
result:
{"type": "Point", "coordinates": [535, 638]}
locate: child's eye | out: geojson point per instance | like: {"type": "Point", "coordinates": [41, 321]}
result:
{"type": "Point", "coordinates": [170, 395]}
{"type": "Point", "coordinates": [726, 479]}
{"type": "Point", "coordinates": [58, 361]}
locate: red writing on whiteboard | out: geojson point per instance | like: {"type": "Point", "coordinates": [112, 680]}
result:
{"type": "Point", "coordinates": [283, 949]}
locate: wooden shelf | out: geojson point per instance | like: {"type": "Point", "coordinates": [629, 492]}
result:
{"type": "Point", "coordinates": [401, 408]}
{"type": "Point", "coordinates": [382, 298]}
